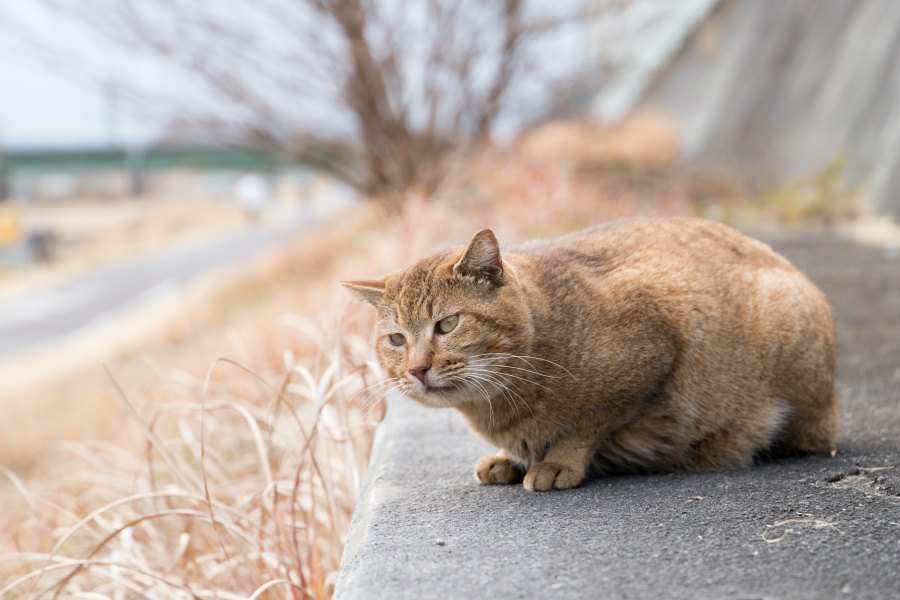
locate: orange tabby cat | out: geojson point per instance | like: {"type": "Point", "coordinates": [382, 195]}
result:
{"type": "Point", "coordinates": [641, 345]}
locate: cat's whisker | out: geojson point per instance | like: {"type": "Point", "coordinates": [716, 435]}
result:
{"type": "Point", "coordinates": [512, 370]}
{"type": "Point", "coordinates": [510, 389]}
{"type": "Point", "coordinates": [393, 385]}
{"type": "Point", "coordinates": [504, 391]}
{"type": "Point", "coordinates": [518, 394]}
{"type": "Point", "coordinates": [526, 359]}
{"type": "Point", "coordinates": [501, 380]}
{"type": "Point", "coordinates": [373, 388]}
{"type": "Point", "coordinates": [374, 394]}
{"type": "Point", "coordinates": [487, 397]}
{"type": "Point", "coordinates": [490, 362]}
{"type": "Point", "coordinates": [490, 368]}
{"type": "Point", "coordinates": [369, 389]}
{"type": "Point", "coordinates": [457, 379]}
{"type": "Point", "coordinates": [484, 375]}
{"type": "Point", "coordinates": [380, 395]}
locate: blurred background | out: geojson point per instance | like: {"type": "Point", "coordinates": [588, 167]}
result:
{"type": "Point", "coordinates": [182, 184]}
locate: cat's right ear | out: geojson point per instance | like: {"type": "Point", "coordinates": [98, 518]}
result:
{"type": "Point", "coordinates": [481, 258]}
{"type": "Point", "coordinates": [370, 291]}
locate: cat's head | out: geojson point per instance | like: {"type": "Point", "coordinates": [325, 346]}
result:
{"type": "Point", "coordinates": [447, 325]}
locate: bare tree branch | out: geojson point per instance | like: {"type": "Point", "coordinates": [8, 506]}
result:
{"type": "Point", "coordinates": [381, 92]}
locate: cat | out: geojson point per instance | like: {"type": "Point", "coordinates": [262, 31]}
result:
{"type": "Point", "coordinates": [642, 345]}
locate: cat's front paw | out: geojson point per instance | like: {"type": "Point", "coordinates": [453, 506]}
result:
{"type": "Point", "coordinates": [545, 476]}
{"type": "Point", "coordinates": [499, 470]}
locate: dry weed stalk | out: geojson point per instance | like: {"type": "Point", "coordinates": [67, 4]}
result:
{"type": "Point", "coordinates": [233, 498]}
{"type": "Point", "coordinates": [789, 526]}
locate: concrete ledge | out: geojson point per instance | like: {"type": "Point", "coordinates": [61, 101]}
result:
{"type": "Point", "coordinates": [413, 492]}
{"type": "Point", "coordinates": [814, 527]}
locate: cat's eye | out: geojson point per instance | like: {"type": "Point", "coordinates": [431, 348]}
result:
{"type": "Point", "coordinates": [397, 339]}
{"type": "Point", "coordinates": [447, 324]}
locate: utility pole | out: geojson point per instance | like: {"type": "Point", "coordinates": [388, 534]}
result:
{"type": "Point", "coordinates": [111, 112]}
{"type": "Point", "coordinates": [4, 179]}
{"type": "Point", "coordinates": [136, 159]}
{"type": "Point", "coordinates": [4, 175]}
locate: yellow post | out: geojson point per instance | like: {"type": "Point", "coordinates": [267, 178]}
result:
{"type": "Point", "coordinates": [11, 231]}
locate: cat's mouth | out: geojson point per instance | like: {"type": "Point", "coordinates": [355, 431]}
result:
{"type": "Point", "coordinates": [434, 394]}
{"type": "Point", "coordinates": [439, 389]}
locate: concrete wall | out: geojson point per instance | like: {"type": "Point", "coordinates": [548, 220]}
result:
{"type": "Point", "coordinates": [776, 90]}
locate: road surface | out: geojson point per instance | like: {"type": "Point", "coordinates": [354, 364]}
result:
{"type": "Point", "coordinates": [38, 318]}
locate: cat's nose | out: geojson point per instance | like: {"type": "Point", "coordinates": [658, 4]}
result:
{"type": "Point", "coordinates": [419, 372]}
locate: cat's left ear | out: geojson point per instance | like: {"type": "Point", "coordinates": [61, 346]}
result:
{"type": "Point", "coordinates": [370, 291]}
{"type": "Point", "coordinates": [482, 258]}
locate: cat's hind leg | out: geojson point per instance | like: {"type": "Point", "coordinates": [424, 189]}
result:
{"type": "Point", "coordinates": [812, 428]}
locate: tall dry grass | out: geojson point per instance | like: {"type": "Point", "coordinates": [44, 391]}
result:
{"type": "Point", "coordinates": [233, 496]}
{"type": "Point", "coordinates": [238, 478]}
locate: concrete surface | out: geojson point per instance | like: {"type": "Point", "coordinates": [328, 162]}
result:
{"type": "Point", "coordinates": [774, 92]}
{"type": "Point", "coordinates": [426, 529]}
{"type": "Point", "coordinates": [39, 317]}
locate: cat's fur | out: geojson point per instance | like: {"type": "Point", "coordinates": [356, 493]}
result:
{"type": "Point", "coordinates": [641, 345]}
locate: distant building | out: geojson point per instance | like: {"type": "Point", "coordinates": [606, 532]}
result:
{"type": "Point", "coordinates": [776, 91]}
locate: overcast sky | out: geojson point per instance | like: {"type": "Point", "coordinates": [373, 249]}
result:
{"type": "Point", "coordinates": [42, 108]}
{"type": "Point", "coordinates": [47, 106]}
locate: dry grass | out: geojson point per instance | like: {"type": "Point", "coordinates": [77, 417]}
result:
{"type": "Point", "coordinates": [237, 476]}
{"type": "Point", "coordinates": [782, 529]}
{"type": "Point", "coordinates": [223, 483]}
{"type": "Point", "coordinates": [645, 140]}
{"type": "Point", "coordinates": [233, 495]}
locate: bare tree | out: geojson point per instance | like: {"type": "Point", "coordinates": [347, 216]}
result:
{"type": "Point", "coordinates": [383, 92]}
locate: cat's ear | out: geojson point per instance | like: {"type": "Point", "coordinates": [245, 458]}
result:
{"type": "Point", "coordinates": [482, 258]}
{"type": "Point", "coordinates": [370, 291]}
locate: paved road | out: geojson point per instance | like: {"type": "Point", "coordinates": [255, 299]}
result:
{"type": "Point", "coordinates": [425, 529]}
{"type": "Point", "coordinates": [31, 319]}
